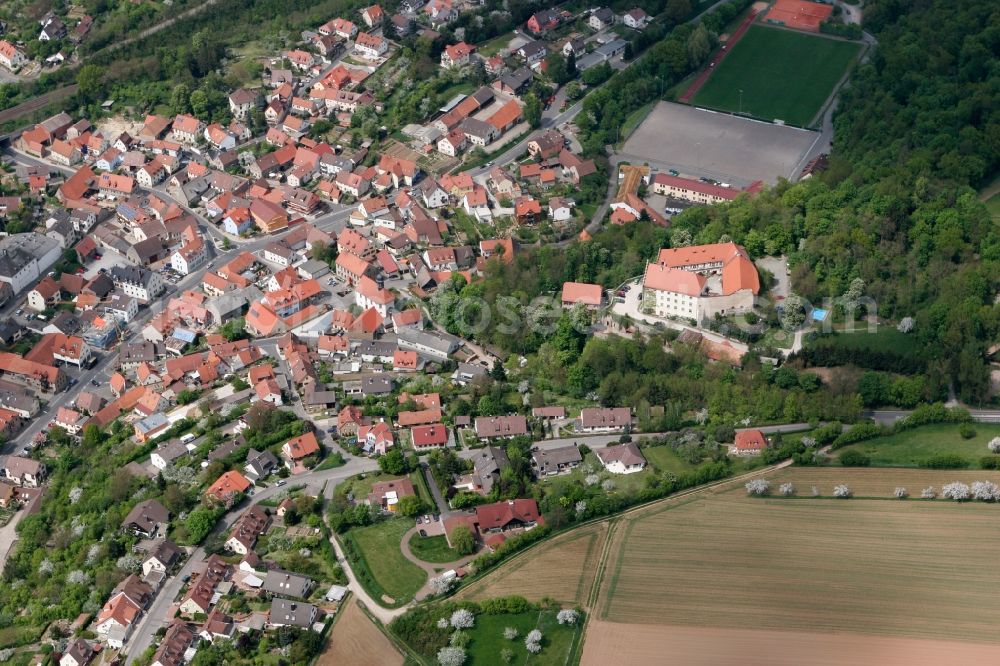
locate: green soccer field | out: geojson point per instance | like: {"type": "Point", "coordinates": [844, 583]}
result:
{"type": "Point", "coordinates": [783, 75]}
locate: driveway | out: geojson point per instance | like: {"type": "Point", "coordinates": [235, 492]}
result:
{"type": "Point", "coordinates": [778, 267]}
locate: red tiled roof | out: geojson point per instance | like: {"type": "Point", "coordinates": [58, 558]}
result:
{"type": "Point", "coordinates": [501, 514]}
{"type": "Point", "coordinates": [664, 278]}
{"type": "Point", "coordinates": [750, 440]}
{"type": "Point", "coordinates": [581, 292]}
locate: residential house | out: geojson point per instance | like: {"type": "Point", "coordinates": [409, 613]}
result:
{"type": "Point", "coordinates": [175, 645]}
{"type": "Point", "coordinates": [453, 143]}
{"type": "Point", "coordinates": [252, 524]}
{"type": "Point", "coordinates": [260, 464]}
{"type": "Point", "coordinates": [488, 464]}
{"type": "Point", "coordinates": [748, 443]}
{"type": "Point", "coordinates": [605, 419]}
{"type": "Point", "coordinates": [190, 256]}
{"type": "Point", "coordinates": [241, 102]}
{"type": "Point", "coordinates": [550, 462]}
{"type": "Point", "coordinates": [601, 19]}
{"type": "Point", "coordinates": [78, 653]}
{"type": "Point", "coordinates": [187, 129]}
{"type": "Point", "coordinates": [370, 46]}
{"type": "Point", "coordinates": [373, 16]}
{"type": "Point", "coordinates": [24, 471]}
{"type": "Point", "coordinates": [44, 295]}
{"type": "Point", "coordinates": [137, 282]}
{"type": "Point", "coordinates": [621, 458]}
{"type": "Point", "coordinates": [497, 427]}
{"type": "Point", "coordinates": [544, 21]}
{"type": "Point", "coordinates": [288, 584]}
{"type": "Point", "coordinates": [457, 55]}
{"type": "Point", "coordinates": [288, 613]}
{"type": "Point", "coordinates": [514, 83]}
{"type": "Point", "coordinates": [163, 555]}
{"type": "Point", "coordinates": [582, 293]}
{"type": "Point", "coordinates": [427, 437]}
{"type": "Point", "coordinates": [385, 495]}
{"type": "Point", "coordinates": [636, 19]}
{"type": "Point", "coordinates": [228, 487]}
{"type": "Point", "coordinates": [10, 56]}
{"type": "Point", "coordinates": [532, 52]}
{"type": "Point", "coordinates": [299, 448]}
{"type": "Point", "coordinates": [376, 439]}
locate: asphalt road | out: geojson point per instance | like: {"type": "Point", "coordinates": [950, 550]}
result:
{"type": "Point", "coordinates": [332, 221]}
{"type": "Point", "coordinates": [157, 614]}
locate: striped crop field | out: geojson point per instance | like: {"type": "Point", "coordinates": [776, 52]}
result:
{"type": "Point", "coordinates": [561, 568]}
{"type": "Point", "coordinates": [911, 568]}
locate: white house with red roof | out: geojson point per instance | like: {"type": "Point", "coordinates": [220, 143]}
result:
{"type": "Point", "coordinates": [700, 281]}
{"type": "Point", "coordinates": [457, 55]}
{"type": "Point", "coordinates": [370, 46]}
{"type": "Point", "coordinates": [373, 16]}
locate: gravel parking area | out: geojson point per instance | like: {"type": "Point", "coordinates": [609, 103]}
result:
{"type": "Point", "coordinates": [717, 145]}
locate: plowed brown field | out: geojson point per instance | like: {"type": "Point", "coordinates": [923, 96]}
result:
{"type": "Point", "coordinates": [562, 569]}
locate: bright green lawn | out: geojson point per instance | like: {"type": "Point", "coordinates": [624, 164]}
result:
{"type": "Point", "coordinates": [909, 447]}
{"type": "Point", "coordinates": [433, 549]}
{"type": "Point", "coordinates": [487, 639]}
{"type": "Point", "coordinates": [395, 574]}
{"type": "Point", "coordinates": [783, 74]}
{"type": "Point", "coordinates": [665, 459]}
{"type": "Point", "coordinates": [623, 482]}
{"type": "Point", "coordinates": [360, 487]}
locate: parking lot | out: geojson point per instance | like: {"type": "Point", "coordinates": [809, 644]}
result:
{"type": "Point", "coordinates": [703, 143]}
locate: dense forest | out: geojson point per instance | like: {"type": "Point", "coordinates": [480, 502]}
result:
{"type": "Point", "coordinates": [896, 215]}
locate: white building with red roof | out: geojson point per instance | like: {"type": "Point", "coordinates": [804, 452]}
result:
{"type": "Point", "coordinates": [700, 281]}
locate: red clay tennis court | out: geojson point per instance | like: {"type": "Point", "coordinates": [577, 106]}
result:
{"type": "Point", "coordinates": [799, 14]}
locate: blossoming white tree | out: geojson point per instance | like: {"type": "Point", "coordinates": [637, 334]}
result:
{"type": "Point", "coordinates": [440, 585]}
{"type": "Point", "coordinates": [900, 492]}
{"type": "Point", "coordinates": [985, 491]}
{"type": "Point", "coordinates": [905, 325]}
{"type": "Point", "coordinates": [956, 490]}
{"type": "Point", "coordinates": [533, 641]}
{"type": "Point", "coordinates": [451, 656]}
{"type": "Point", "coordinates": [994, 445]}
{"type": "Point", "coordinates": [928, 493]}
{"type": "Point", "coordinates": [842, 491]}
{"type": "Point", "coordinates": [462, 618]}
{"type": "Point", "coordinates": [567, 616]}
{"type": "Point", "coordinates": [510, 633]}
{"type": "Point", "coordinates": [787, 489]}
{"type": "Point", "coordinates": [758, 487]}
